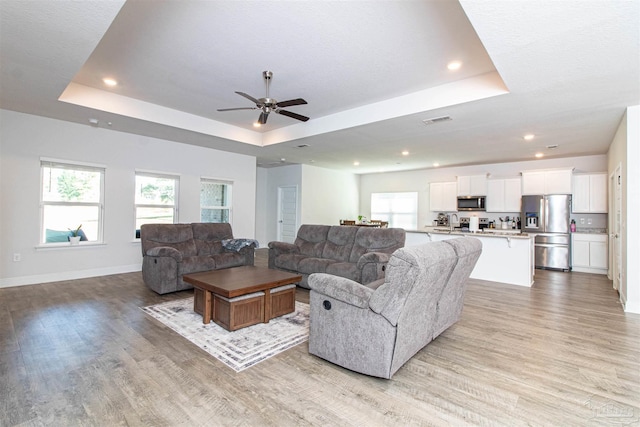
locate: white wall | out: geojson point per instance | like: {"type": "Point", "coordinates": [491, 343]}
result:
{"type": "Point", "coordinates": [328, 195]}
{"type": "Point", "coordinates": [26, 138]}
{"type": "Point", "coordinates": [324, 197]}
{"type": "Point", "coordinates": [268, 215]}
{"type": "Point", "coordinates": [625, 150]}
{"type": "Point", "coordinates": [418, 180]}
{"type": "Point", "coordinates": [261, 205]}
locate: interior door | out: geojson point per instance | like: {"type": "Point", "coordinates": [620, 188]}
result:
{"type": "Point", "coordinates": [287, 213]}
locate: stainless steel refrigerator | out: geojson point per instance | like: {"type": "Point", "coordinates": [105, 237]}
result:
{"type": "Point", "coordinates": [548, 218]}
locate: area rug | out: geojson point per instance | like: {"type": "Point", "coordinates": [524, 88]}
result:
{"type": "Point", "coordinates": [239, 349]}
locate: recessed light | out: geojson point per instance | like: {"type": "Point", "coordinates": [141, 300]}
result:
{"type": "Point", "coordinates": [405, 153]}
{"type": "Point", "coordinates": [529, 137]}
{"type": "Point", "coordinates": [538, 155]}
{"type": "Point", "coordinates": [454, 65]}
{"type": "Point", "coordinates": [356, 163]}
{"type": "Point", "coordinates": [109, 81]}
{"type": "Point", "coordinates": [256, 125]}
{"type": "Point", "coordinates": [436, 164]}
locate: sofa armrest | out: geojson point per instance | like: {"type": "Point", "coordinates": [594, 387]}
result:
{"type": "Point", "coordinates": [165, 251]}
{"type": "Point", "coordinates": [340, 288]}
{"type": "Point", "coordinates": [284, 247]}
{"type": "Point", "coordinates": [372, 266]}
{"type": "Point", "coordinates": [373, 257]}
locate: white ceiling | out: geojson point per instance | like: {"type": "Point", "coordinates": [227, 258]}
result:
{"type": "Point", "coordinates": [371, 71]}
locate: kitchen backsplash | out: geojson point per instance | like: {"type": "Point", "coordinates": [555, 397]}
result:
{"type": "Point", "coordinates": [584, 221]}
{"type": "Point", "coordinates": [590, 220]}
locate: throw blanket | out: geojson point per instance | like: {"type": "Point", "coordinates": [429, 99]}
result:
{"type": "Point", "coordinates": [237, 244]}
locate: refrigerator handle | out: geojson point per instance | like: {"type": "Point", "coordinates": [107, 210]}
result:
{"type": "Point", "coordinates": [543, 219]}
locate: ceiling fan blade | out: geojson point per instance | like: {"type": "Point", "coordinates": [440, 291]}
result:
{"type": "Point", "coordinates": [263, 118]}
{"type": "Point", "coordinates": [249, 97]}
{"type": "Point", "coordinates": [239, 108]}
{"type": "Point", "coordinates": [289, 103]}
{"type": "Point", "coordinates": [293, 115]}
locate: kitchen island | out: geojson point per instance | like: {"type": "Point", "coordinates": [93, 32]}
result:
{"type": "Point", "coordinates": [506, 257]}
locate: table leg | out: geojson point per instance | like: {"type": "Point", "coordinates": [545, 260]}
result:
{"type": "Point", "coordinates": [206, 315]}
{"type": "Point", "coordinates": [267, 305]}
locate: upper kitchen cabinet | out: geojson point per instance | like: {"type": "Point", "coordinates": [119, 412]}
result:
{"type": "Point", "coordinates": [475, 185]}
{"type": "Point", "coordinates": [503, 195]}
{"type": "Point", "coordinates": [552, 181]}
{"type": "Point", "coordinates": [443, 196]}
{"type": "Point", "coordinates": [589, 193]}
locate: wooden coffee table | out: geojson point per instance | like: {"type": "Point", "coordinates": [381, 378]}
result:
{"type": "Point", "coordinates": [242, 296]}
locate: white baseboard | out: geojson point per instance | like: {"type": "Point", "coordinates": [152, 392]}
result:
{"type": "Point", "coordinates": [67, 275]}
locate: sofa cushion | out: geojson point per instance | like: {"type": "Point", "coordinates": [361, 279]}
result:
{"type": "Point", "coordinates": [177, 236]}
{"type": "Point", "coordinates": [339, 243]}
{"type": "Point", "coordinates": [194, 264]}
{"type": "Point", "coordinates": [205, 247]}
{"type": "Point", "coordinates": [207, 236]}
{"type": "Point", "coordinates": [288, 261]}
{"type": "Point", "coordinates": [384, 240]}
{"type": "Point", "coordinates": [422, 270]}
{"type": "Point", "coordinates": [228, 259]}
{"type": "Point", "coordinates": [314, 265]}
{"type": "Point", "coordinates": [344, 269]}
{"type": "Point", "coordinates": [311, 239]}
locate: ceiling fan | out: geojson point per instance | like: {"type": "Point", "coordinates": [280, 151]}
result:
{"type": "Point", "coordinates": [268, 105]}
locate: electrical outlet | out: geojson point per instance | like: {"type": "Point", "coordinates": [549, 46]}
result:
{"type": "Point", "coordinates": [589, 221]}
{"type": "Point", "coordinates": [17, 257]}
{"type": "Point", "coordinates": [581, 221]}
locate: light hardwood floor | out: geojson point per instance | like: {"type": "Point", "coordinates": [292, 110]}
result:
{"type": "Point", "coordinates": [81, 352]}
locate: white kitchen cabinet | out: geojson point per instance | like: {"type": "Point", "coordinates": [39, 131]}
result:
{"type": "Point", "coordinates": [589, 193]}
{"type": "Point", "coordinates": [589, 253]}
{"type": "Point", "coordinates": [552, 181]}
{"type": "Point", "coordinates": [472, 185]}
{"type": "Point", "coordinates": [443, 196]}
{"type": "Point", "coordinates": [503, 195]}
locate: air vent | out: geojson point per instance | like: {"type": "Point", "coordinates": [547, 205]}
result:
{"type": "Point", "coordinates": [303, 145]}
{"type": "Point", "coordinates": [552, 146]}
{"type": "Point", "coordinates": [435, 120]}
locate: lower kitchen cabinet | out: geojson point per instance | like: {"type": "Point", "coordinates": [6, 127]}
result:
{"type": "Point", "coordinates": [589, 253]}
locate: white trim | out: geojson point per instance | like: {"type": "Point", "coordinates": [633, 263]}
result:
{"type": "Point", "coordinates": [68, 275]}
{"type": "Point", "coordinates": [216, 180]}
{"type": "Point", "coordinates": [72, 162]}
{"type": "Point", "coordinates": [157, 174]}
{"type": "Point", "coordinates": [67, 245]}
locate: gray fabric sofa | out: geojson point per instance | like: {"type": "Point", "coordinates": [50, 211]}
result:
{"type": "Point", "coordinates": [375, 329]}
{"type": "Point", "coordinates": [357, 253]}
{"type": "Point", "coordinates": [172, 250]}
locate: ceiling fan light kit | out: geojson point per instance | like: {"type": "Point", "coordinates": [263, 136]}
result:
{"type": "Point", "coordinates": [267, 104]}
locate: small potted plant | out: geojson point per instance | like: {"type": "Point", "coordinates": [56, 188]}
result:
{"type": "Point", "coordinates": [75, 235]}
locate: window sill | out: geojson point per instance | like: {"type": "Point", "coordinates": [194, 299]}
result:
{"type": "Point", "coordinates": [64, 245]}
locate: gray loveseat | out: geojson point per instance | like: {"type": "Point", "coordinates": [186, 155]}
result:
{"type": "Point", "coordinates": [357, 253]}
{"type": "Point", "coordinates": [374, 330]}
{"type": "Point", "coordinates": [172, 250]}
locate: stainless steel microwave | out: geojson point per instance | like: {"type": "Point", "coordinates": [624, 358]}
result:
{"type": "Point", "coordinates": [471, 203]}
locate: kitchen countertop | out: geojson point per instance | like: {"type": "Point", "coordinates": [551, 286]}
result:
{"type": "Point", "coordinates": [591, 230]}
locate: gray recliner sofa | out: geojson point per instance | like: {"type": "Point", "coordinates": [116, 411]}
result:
{"type": "Point", "coordinates": [375, 329]}
{"type": "Point", "coordinates": [357, 253]}
{"type": "Point", "coordinates": [171, 250]}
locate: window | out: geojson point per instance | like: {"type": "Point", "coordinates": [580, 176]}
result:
{"type": "Point", "coordinates": [400, 209]}
{"type": "Point", "coordinates": [156, 196]}
{"type": "Point", "coordinates": [72, 195]}
{"type": "Point", "coordinates": [215, 200]}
